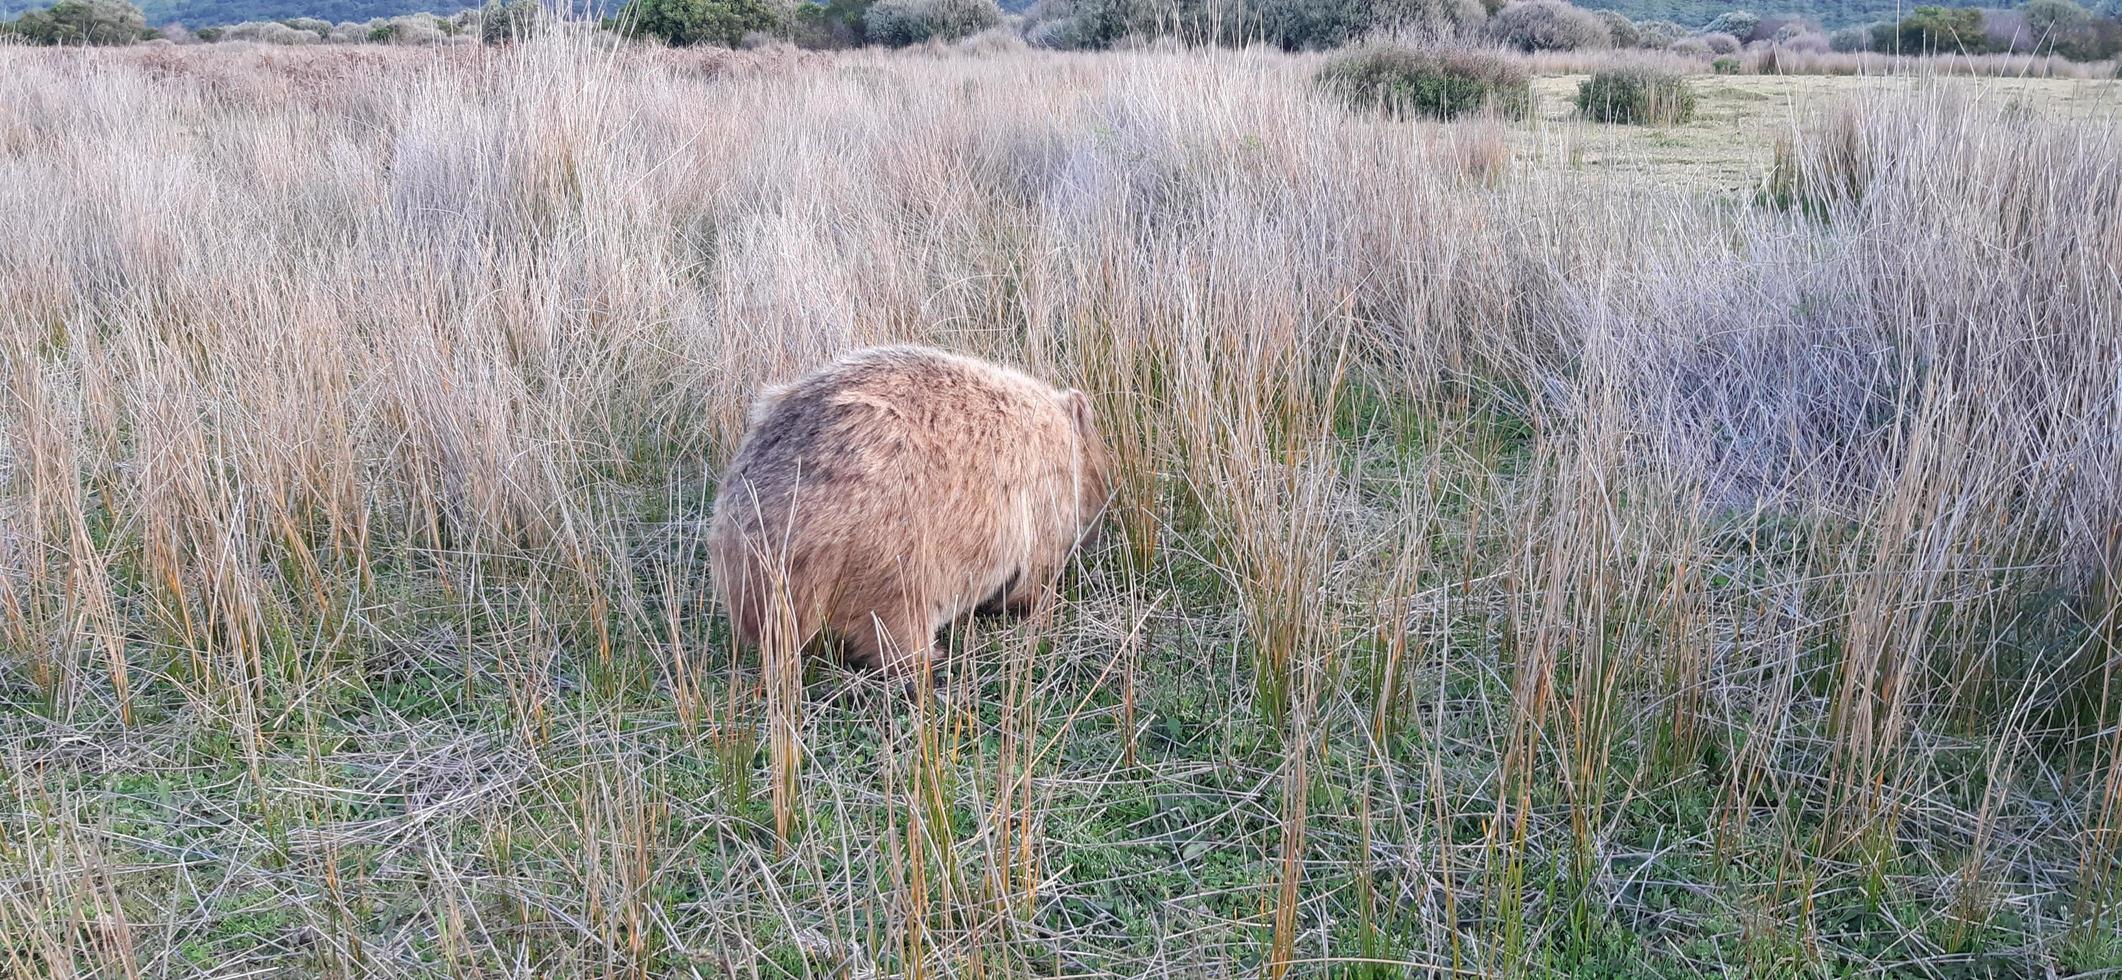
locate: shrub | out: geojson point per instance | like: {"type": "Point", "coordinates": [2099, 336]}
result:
{"type": "Point", "coordinates": [1656, 34]}
{"type": "Point", "coordinates": [1737, 23]}
{"type": "Point", "coordinates": [1692, 47]}
{"type": "Point", "coordinates": [2095, 40]}
{"type": "Point", "coordinates": [1930, 30]}
{"type": "Point", "coordinates": [1620, 31]}
{"type": "Point", "coordinates": [903, 22]}
{"type": "Point", "coordinates": [1077, 25]}
{"type": "Point", "coordinates": [1440, 84]}
{"type": "Point", "coordinates": [1436, 17]}
{"type": "Point", "coordinates": [1782, 27]}
{"type": "Point", "coordinates": [1721, 43]}
{"type": "Point", "coordinates": [1811, 42]}
{"type": "Point", "coordinates": [684, 22]}
{"type": "Point", "coordinates": [837, 24]}
{"type": "Point", "coordinates": [99, 22]}
{"type": "Point", "coordinates": [2051, 18]}
{"type": "Point", "coordinates": [1726, 65]}
{"type": "Point", "coordinates": [2069, 30]}
{"type": "Point", "coordinates": [502, 21]}
{"type": "Point", "coordinates": [1548, 25]}
{"type": "Point", "coordinates": [1642, 96]}
{"type": "Point", "coordinates": [1850, 39]}
{"type": "Point", "coordinates": [409, 29]}
{"type": "Point", "coordinates": [267, 32]}
{"type": "Point", "coordinates": [1293, 25]}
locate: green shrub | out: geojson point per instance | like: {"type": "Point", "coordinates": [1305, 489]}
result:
{"type": "Point", "coordinates": [1401, 81]}
{"type": "Point", "coordinates": [502, 21]}
{"type": "Point", "coordinates": [1621, 31]}
{"type": "Point", "coordinates": [1658, 33]}
{"type": "Point", "coordinates": [1849, 39]}
{"type": "Point", "coordinates": [1078, 25]}
{"type": "Point", "coordinates": [903, 22]}
{"type": "Point", "coordinates": [1726, 65]}
{"type": "Point", "coordinates": [100, 22]}
{"type": "Point", "coordinates": [834, 24]}
{"type": "Point", "coordinates": [1933, 30]}
{"type": "Point", "coordinates": [1740, 24]}
{"type": "Point", "coordinates": [1643, 96]}
{"type": "Point", "coordinates": [1548, 25]}
{"type": "Point", "coordinates": [683, 22]}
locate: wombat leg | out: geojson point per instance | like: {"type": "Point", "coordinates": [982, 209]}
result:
{"type": "Point", "coordinates": [999, 602]}
{"type": "Point", "coordinates": [899, 645]}
{"type": "Point", "coordinates": [1027, 595]}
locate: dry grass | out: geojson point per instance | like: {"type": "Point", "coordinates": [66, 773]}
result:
{"type": "Point", "coordinates": [1517, 572]}
{"type": "Point", "coordinates": [1729, 146]}
{"type": "Point", "coordinates": [1776, 59]}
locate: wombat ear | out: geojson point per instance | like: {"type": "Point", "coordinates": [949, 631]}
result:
{"type": "Point", "coordinates": [1078, 409]}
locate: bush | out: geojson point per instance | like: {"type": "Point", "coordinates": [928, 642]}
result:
{"type": "Point", "coordinates": [1401, 81]}
{"type": "Point", "coordinates": [1620, 31]}
{"type": "Point", "coordinates": [409, 29]}
{"type": "Point", "coordinates": [1435, 17]}
{"type": "Point", "coordinates": [1294, 25]}
{"type": "Point", "coordinates": [1726, 65]}
{"type": "Point", "coordinates": [1548, 25]}
{"type": "Point", "coordinates": [837, 24]}
{"type": "Point", "coordinates": [1737, 23]}
{"type": "Point", "coordinates": [1850, 39]}
{"type": "Point", "coordinates": [1641, 96]}
{"type": "Point", "coordinates": [1077, 25]}
{"type": "Point", "coordinates": [1810, 42]}
{"type": "Point", "coordinates": [1721, 43]}
{"type": "Point", "coordinates": [1931, 30]}
{"type": "Point", "coordinates": [1656, 34]}
{"type": "Point", "coordinates": [98, 22]}
{"type": "Point", "coordinates": [903, 22]}
{"type": "Point", "coordinates": [2049, 19]}
{"type": "Point", "coordinates": [2070, 30]}
{"type": "Point", "coordinates": [502, 21]}
{"type": "Point", "coordinates": [684, 22]}
{"type": "Point", "coordinates": [267, 32]}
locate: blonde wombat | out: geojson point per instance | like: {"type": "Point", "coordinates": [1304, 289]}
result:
{"type": "Point", "coordinates": [893, 491]}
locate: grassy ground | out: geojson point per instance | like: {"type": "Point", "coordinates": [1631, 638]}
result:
{"type": "Point", "coordinates": [1730, 145]}
{"type": "Point", "coordinates": [1516, 571]}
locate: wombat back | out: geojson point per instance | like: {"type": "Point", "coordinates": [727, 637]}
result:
{"type": "Point", "coordinates": [894, 490]}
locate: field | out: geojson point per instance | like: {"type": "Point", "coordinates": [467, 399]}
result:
{"type": "Point", "coordinates": [1541, 549]}
{"type": "Point", "coordinates": [1729, 146]}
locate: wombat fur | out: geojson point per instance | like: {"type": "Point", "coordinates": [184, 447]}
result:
{"type": "Point", "coordinates": [895, 490]}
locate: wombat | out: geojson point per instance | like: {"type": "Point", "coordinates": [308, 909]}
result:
{"type": "Point", "coordinates": [895, 490]}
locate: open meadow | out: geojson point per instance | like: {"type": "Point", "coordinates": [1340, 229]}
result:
{"type": "Point", "coordinates": [1540, 547]}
